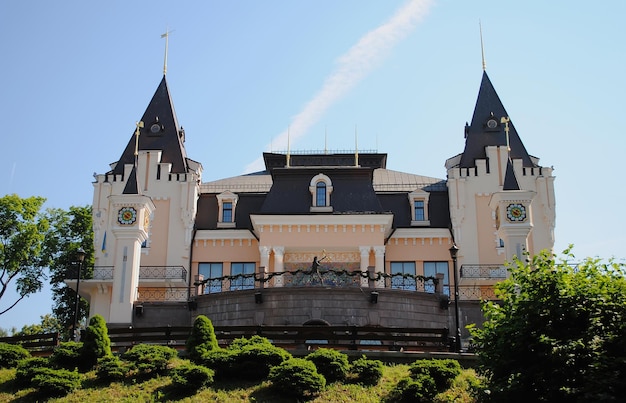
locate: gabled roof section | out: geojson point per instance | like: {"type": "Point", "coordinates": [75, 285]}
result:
{"type": "Point", "coordinates": [480, 134]}
{"type": "Point", "coordinates": [160, 132]}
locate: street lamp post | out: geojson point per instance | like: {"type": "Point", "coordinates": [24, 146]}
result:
{"type": "Point", "coordinates": [454, 250]}
{"type": "Point", "coordinates": [80, 255]}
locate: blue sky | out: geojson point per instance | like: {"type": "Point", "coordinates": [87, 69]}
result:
{"type": "Point", "coordinates": [76, 76]}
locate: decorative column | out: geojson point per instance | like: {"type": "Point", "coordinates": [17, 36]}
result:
{"type": "Point", "coordinates": [132, 219]}
{"type": "Point", "coordinates": [379, 252]}
{"type": "Point", "coordinates": [265, 261]}
{"type": "Point", "coordinates": [279, 264]}
{"type": "Point", "coordinates": [365, 261]}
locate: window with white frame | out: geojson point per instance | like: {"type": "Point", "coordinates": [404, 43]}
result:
{"type": "Point", "coordinates": [227, 202]}
{"type": "Point", "coordinates": [211, 271]}
{"type": "Point", "coordinates": [321, 187]}
{"type": "Point", "coordinates": [431, 269]}
{"type": "Point", "coordinates": [246, 271]}
{"type": "Point", "coordinates": [403, 276]}
{"type": "Point", "coordinates": [418, 200]}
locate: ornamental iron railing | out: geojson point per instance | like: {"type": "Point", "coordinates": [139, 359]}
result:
{"type": "Point", "coordinates": [476, 293]}
{"type": "Point", "coordinates": [103, 273]}
{"type": "Point", "coordinates": [317, 278]}
{"type": "Point", "coordinates": [483, 271]}
{"type": "Point", "coordinates": [145, 273]}
{"type": "Point", "coordinates": [162, 272]}
{"type": "Point", "coordinates": [160, 294]}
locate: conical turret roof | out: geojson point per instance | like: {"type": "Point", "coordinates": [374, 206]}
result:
{"type": "Point", "coordinates": [160, 132]}
{"type": "Point", "coordinates": [486, 129]}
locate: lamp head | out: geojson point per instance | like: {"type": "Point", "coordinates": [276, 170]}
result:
{"type": "Point", "coordinates": [454, 250]}
{"type": "Point", "coordinates": [80, 254]}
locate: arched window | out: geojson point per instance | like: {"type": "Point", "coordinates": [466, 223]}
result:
{"type": "Point", "coordinates": [321, 187]}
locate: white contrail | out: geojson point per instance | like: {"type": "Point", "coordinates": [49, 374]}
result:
{"type": "Point", "coordinates": [351, 68]}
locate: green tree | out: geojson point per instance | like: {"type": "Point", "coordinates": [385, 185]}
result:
{"type": "Point", "coordinates": [202, 338]}
{"type": "Point", "coordinates": [97, 343]}
{"type": "Point", "coordinates": [69, 231]}
{"type": "Point", "coordinates": [22, 231]}
{"type": "Point", "coordinates": [557, 333]}
{"type": "Point", "coordinates": [48, 324]}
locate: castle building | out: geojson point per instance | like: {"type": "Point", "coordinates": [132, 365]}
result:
{"type": "Point", "coordinates": [323, 237]}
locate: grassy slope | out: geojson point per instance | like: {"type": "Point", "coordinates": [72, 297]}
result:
{"type": "Point", "coordinates": [156, 390]}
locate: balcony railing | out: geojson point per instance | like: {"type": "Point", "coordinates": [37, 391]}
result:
{"type": "Point", "coordinates": [161, 294]}
{"type": "Point", "coordinates": [103, 273]}
{"type": "Point", "coordinates": [320, 278]}
{"type": "Point", "coordinates": [162, 272]}
{"type": "Point", "coordinates": [145, 273]}
{"type": "Point", "coordinates": [476, 293]}
{"type": "Point", "coordinates": [483, 271]}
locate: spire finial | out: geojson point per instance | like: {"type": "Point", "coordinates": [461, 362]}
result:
{"type": "Point", "coordinates": [482, 46]}
{"type": "Point", "coordinates": [506, 120]}
{"type": "Point", "coordinates": [356, 147]}
{"type": "Point", "coordinates": [166, 35]}
{"type": "Point", "coordinates": [139, 125]}
{"type": "Point", "coordinates": [326, 140]}
{"type": "Point", "coordinates": [288, 146]}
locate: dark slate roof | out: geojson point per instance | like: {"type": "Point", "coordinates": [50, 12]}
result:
{"type": "Point", "coordinates": [478, 135]}
{"type": "Point", "coordinates": [367, 189]}
{"type": "Point", "coordinates": [510, 180]}
{"type": "Point", "coordinates": [352, 190]}
{"type": "Point", "coordinates": [169, 139]}
{"type": "Point", "coordinates": [132, 186]}
{"type": "Point", "coordinates": [366, 160]}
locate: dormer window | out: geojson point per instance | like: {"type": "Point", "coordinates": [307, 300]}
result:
{"type": "Point", "coordinates": [321, 187]}
{"type": "Point", "coordinates": [227, 202]}
{"type": "Point", "coordinates": [418, 201]}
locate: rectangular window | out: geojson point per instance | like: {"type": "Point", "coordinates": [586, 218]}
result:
{"type": "Point", "coordinates": [242, 283]}
{"type": "Point", "coordinates": [430, 270]}
{"type": "Point", "coordinates": [403, 276]}
{"type": "Point", "coordinates": [419, 210]}
{"type": "Point", "coordinates": [211, 271]}
{"type": "Point", "coordinates": [227, 212]}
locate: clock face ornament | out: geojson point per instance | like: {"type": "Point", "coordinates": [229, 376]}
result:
{"type": "Point", "coordinates": [127, 215]}
{"type": "Point", "coordinates": [516, 212]}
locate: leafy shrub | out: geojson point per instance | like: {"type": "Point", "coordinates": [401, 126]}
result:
{"type": "Point", "coordinates": [111, 368]}
{"type": "Point", "coordinates": [27, 369]}
{"type": "Point", "coordinates": [254, 357]}
{"type": "Point", "coordinates": [441, 371]}
{"type": "Point", "coordinates": [67, 355]}
{"type": "Point", "coordinates": [56, 382]}
{"type": "Point", "coordinates": [367, 372]}
{"type": "Point", "coordinates": [150, 359]}
{"type": "Point", "coordinates": [96, 344]}
{"type": "Point", "coordinates": [245, 358]}
{"type": "Point", "coordinates": [221, 361]}
{"type": "Point", "coordinates": [331, 363]}
{"type": "Point", "coordinates": [10, 354]}
{"type": "Point", "coordinates": [190, 378]}
{"type": "Point", "coordinates": [297, 378]}
{"type": "Point", "coordinates": [202, 338]}
{"type": "Point", "coordinates": [421, 389]}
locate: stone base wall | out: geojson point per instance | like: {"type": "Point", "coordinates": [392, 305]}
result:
{"type": "Point", "coordinates": [156, 314]}
{"type": "Point", "coordinates": [335, 306]}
